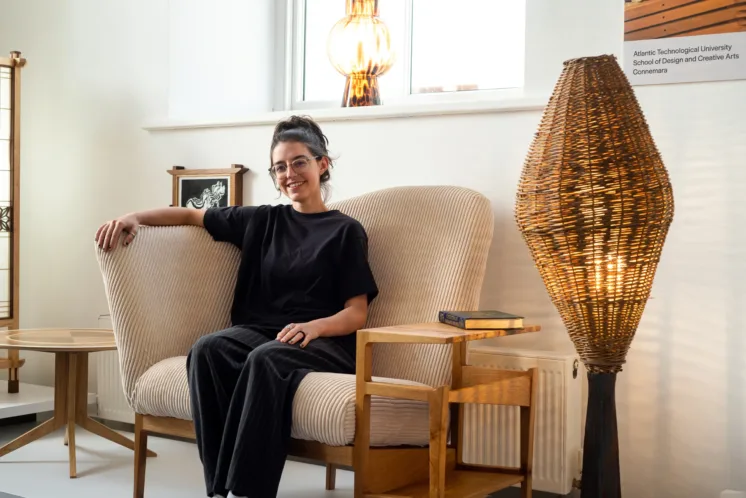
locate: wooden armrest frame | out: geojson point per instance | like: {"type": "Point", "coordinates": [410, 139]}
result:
{"type": "Point", "coordinates": [400, 391]}
{"type": "Point", "coordinates": [468, 385]}
{"type": "Point", "coordinates": [433, 333]}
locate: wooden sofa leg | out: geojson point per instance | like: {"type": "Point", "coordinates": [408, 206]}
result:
{"type": "Point", "coordinates": [331, 476]}
{"type": "Point", "coordinates": [141, 453]}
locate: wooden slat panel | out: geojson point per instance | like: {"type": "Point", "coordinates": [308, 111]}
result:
{"type": "Point", "coordinates": [689, 24]}
{"type": "Point", "coordinates": [459, 484]}
{"type": "Point", "coordinates": [718, 29]}
{"type": "Point", "coordinates": [503, 392]}
{"type": "Point", "coordinates": [492, 386]}
{"type": "Point", "coordinates": [642, 9]}
{"type": "Point", "coordinates": [473, 376]}
{"type": "Point", "coordinates": [400, 391]}
{"type": "Point", "coordinates": [474, 467]}
{"type": "Point", "coordinates": [691, 10]}
{"type": "Point", "coordinates": [398, 467]}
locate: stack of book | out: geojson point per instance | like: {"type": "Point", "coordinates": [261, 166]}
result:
{"type": "Point", "coordinates": [481, 320]}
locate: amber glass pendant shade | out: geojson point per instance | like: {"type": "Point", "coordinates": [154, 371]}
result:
{"type": "Point", "coordinates": [359, 47]}
{"type": "Point", "coordinates": [594, 205]}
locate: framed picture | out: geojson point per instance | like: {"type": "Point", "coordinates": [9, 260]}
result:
{"type": "Point", "coordinates": [206, 188]}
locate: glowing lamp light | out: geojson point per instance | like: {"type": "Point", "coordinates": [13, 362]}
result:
{"type": "Point", "coordinates": [359, 47]}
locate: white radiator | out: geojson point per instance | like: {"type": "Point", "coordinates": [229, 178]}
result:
{"type": "Point", "coordinates": [491, 432]}
{"type": "Point", "coordinates": [112, 405]}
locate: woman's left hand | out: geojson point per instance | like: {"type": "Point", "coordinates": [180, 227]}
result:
{"type": "Point", "coordinates": [295, 332]}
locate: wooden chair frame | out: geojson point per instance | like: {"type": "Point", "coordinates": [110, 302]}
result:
{"type": "Point", "coordinates": [413, 471]}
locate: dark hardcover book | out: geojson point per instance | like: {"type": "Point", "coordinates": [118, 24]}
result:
{"type": "Point", "coordinates": [488, 319]}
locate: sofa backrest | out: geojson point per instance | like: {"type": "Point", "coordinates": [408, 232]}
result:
{"type": "Point", "coordinates": [428, 249]}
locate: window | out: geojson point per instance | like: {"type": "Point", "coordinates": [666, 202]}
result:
{"type": "Point", "coordinates": [445, 50]}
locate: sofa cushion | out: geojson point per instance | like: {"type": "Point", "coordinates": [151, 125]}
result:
{"type": "Point", "coordinates": [324, 411]}
{"type": "Point", "coordinates": [163, 390]}
{"type": "Point", "coordinates": [323, 408]}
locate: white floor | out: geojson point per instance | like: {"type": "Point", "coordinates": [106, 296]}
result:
{"type": "Point", "coordinates": [40, 470]}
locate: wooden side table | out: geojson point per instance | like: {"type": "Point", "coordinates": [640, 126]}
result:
{"type": "Point", "coordinates": [70, 348]}
{"type": "Point", "coordinates": [445, 474]}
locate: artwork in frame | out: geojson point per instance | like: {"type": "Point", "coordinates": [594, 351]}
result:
{"type": "Point", "coordinates": [206, 188]}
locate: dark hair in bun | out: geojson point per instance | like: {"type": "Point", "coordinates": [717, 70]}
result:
{"type": "Point", "coordinates": [303, 129]}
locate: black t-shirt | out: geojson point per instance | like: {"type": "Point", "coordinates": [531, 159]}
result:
{"type": "Point", "coordinates": [294, 267]}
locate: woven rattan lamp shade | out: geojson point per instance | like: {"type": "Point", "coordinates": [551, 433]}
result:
{"type": "Point", "coordinates": [594, 205]}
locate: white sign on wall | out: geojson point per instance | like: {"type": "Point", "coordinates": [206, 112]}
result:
{"type": "Point", "coordinates": [675, 41]}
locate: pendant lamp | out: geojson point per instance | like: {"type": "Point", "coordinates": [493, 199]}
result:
{"type": "Point", "coordinates": [359, 47]}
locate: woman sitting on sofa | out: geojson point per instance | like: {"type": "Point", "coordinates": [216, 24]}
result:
{"type": "Point", "coordinates": [303, 289]}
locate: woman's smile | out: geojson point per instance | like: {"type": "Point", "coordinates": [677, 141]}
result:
{"type": "Point", "coordinates": [295, 185]}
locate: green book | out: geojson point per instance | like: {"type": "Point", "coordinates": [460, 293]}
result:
{"type": "Point", "coordinates": [488, 319]}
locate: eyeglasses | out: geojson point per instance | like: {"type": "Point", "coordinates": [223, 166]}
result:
{"type": "Point", "coordinates": [299, 165]}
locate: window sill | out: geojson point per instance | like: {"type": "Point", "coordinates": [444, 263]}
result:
{"type": "Point", "coordinates": [522, 104]}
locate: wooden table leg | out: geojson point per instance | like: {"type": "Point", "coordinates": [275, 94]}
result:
{"type": "Point", "coordinates": [40, 430]}
{"type": "Point", "coordinates": [70, 408]}
{"type": "Point", "coordinates": [71, 388]}
{"type": "Point", "coordinates": [101, 430]}
{"type": "Point", "coordinates": [86, 422]}
{"type": "Point", "coordinates": [61, 381]}
{"type": "Point", "coordinates": [61, 367]}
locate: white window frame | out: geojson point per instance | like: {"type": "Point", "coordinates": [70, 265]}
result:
{"type": "Point", "coordinates": [289, 74]}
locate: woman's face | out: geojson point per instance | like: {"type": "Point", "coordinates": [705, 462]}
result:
{"type": "Point", "coordinates": [297, 171]}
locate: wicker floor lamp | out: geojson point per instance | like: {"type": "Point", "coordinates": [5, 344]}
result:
{"type": "Point", "coordinates": [594, 206]}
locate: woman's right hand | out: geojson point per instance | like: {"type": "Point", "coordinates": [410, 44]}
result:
{"type": "Point", "coordinates": [107, 236]}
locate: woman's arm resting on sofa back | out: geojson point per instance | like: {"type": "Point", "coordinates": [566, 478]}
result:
{"type": "Point", "coordinates": [107, 236]}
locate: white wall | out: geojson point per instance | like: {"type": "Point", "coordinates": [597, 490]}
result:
{"type": "Point", "coordinates": [680, 397]}
{"type": "Point", "coordinates": [219, 57]}
{"type": "Point", "coordinates": [88, 84]}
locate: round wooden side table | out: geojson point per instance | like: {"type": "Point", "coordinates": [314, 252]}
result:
{"type": "Point", "coordinates": [70, 348]}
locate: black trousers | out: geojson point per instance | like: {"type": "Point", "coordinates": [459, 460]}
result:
{"type": "Point", "coordinates": [242, 385]}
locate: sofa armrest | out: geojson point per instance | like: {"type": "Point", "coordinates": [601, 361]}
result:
{"type": "Point", "coordinates": [433, 333]}
{"type": "Point", "coordinates": [165, 290]}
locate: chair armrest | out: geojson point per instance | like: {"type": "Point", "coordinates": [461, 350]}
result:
{"type": "Point", "coordinates": [165, 290]}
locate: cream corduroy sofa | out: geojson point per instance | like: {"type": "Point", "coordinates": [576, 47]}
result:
{"type": "Point", "coordinates": [428, 250]}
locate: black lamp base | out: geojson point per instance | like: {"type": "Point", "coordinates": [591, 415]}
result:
{"type": "Point", "coordinates": [601, 478]}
